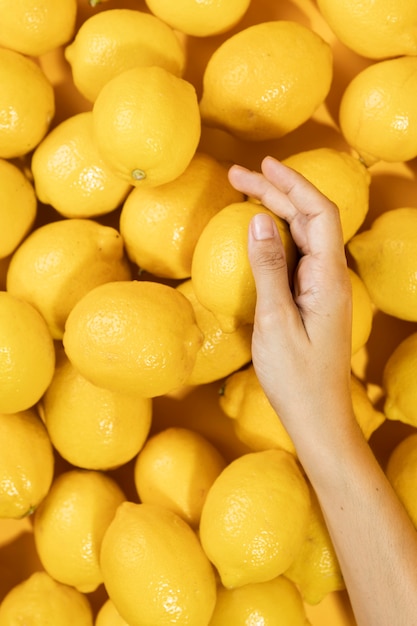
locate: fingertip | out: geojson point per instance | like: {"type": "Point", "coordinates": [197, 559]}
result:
{"type": "Point", "coordinates": [262, 227]}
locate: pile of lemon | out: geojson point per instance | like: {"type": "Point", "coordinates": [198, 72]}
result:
{"type": "Point", "coordinates": [161, 486]}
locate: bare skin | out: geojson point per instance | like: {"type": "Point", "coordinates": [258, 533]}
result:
{"type": "Point", "coordinates": [301, 350]}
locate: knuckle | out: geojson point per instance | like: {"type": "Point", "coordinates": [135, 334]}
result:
{"type": "Point", "coordinates": [271, 258]}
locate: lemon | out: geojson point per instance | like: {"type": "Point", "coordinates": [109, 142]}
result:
{"type": "Point", "coordinates": [70, 523]}
{"type": "Point", "coordinates": [27, 104]}
{"type": "Point", "coordinates": [109, 616]}
{"type": "Point", "coordinates": [266, 80]}
{"type": "Point", "coordinates": [220, 270]}
{"type": "Point", "coordinates": [316, 570]}
{"type": "Point", "coordinates": [27, 356]}
{"type": "Point", "coordinates": [362, 312]}
{"type": "Point", "coordinates": [42, 601]}
{"type": "Point", "coordinates": [147, 125]}
{"type": "Point", "coordinates": [276, 601]}
{"type": "Point", "coordinates": [35, 27]}
{"type": "Point", "coordinates": [401, 472]}
{"type": "Point", "coordinates": [175, 469]}
{"type": "Point", "coordinates": [385, 256]}
{"type": "Point", "coordinates": [387, 28]}
{"type": "Point", "coordinates": [221, 353]}
{"type": "Point", "coordinates": [254, 420]}
{"type": "Point", "coordinates": [200, 19]}
{"type": "Point", "coordinates": [399, 376]}
{"type": "Point", "coordinates": [26, 463]}
{"type": "Point", "coordinates": [134, 337]}
{"type": "Point", "coordinates": [60, 262]}
{"type": "Point", "coordinates": [368, 417]}
{"type": "Point", "coordinates": [340, 177]}
{"type": "Point", "coordinates": [255, 517]}
{"type": "Point", "coordinates": [70, 174]}
{"type": "Point", "coordinates": [154, 568]}
{"type": "Point", "coordinates": [18, 207]}
{"type": "Point", "coordinates": [161, 225]}
{"type": "Point", "coordinates": [378, 111]}
{"type": "Point", "coordinates": [115, 40]}
{"type": "Point", "coordinates": [91, 427]}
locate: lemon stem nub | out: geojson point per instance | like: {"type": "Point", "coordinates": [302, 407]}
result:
{"type": "Point", "coordinates": [138, 174]}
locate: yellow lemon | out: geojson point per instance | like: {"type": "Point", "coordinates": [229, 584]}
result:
{"type": "Point", "coordinates": [147, 125]}
{"type": "Point", "coordinates": [18, 207]}
{"type": "Point", "coordinates": [362, 312]}
{"type": "Point", "coordinates": [276, 601]}
{"type": "Point", "coordinates": [27, 104]}
{"type": "Point", "coordinates": [342, 178]}
{"type": "Point", "coordinates": [266, 80]}
{"type": "Point", "coordinates": [27, 355]}
{"type": "Point", "coordinates": [200, 19]}
{"type": "Point", "coordinates": [70, 523]}
{"type": "Point", "coordinates": [255, 517]}
{"type": "Point", "coordinates": [134, 337]}
{"type": "Point", "coordinates": [387, 28]}
{"type": "Point", "coordinates": [316, 570]}
{"type": "Point", "coordinates": [221, 353]}
{"type": "Point", "coordinates": [26, 463]}
{"type": "Point", "coordinates": [154, 568]}
{"type": "Point", "coordinates": [70, 174]}
{"type": "Point", "coordinates": [399, 378]}
{"type": "Point", "coordinates": [175, 469]}
{"type": "Point", "coordinates": [34, 27]}
{"type": "Point", "coordinates": [108, 615]}
{"type": "Point", "coordinates": [255, 422]}
{"type": "Point", "coordinates": [368, 417]}
{"type": "Point", "coordinates": [60, 262]}
{"type": "Point", "coordinates": [401, 472]}
{"type": "Point", "coordinates": [161, 225]}
{"type": "Point", "coordinates": [112, 41]}
{"type": "Point", "coordinates": [40, 600]}
{"type": "Point", "coordinates": [378, 111]}
{"type": "Point", "coordinates": [385, 258]}
{"type": "Point", "coordinates": [91, 427]}
{"type": "Point", "coordinates": [220, 270]}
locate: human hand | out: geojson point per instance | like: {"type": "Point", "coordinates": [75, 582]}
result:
{"type": "Point", "coordinates": [301, 344]}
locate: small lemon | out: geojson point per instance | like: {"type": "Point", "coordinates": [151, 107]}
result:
{"type": "Point", "coordinates": [70, 174]}
{"type": "Point", "coordinates": [255, 422]}
{"type": "Point", "coordinates": [255, 517]}
{"type": "Point", "coordinates": [378, 111]}
{"type": "Point", "coordinates": [221, 353]}
{"type": "Point", "coordinates": [220, 270]}
{"type": "Point", "coordinates": [401, 472]}
{"type": "Point", "coordinates": [112, 41]}
{"type": "Point", "coordinates": [134, 337]}
{"type": "Point", "coordinates": [362, 312]}
{"type": "Point", "coordinates": [26, 463]}
{"type": "Point", "coordinates": [368, 417]}
{"type": "Point", "coordinates": [161, 225]}
{"type": "Point", "coordinates": [60, 262]}
{"type": "Point", "coordinates": [147, 125]}
{"type": "Point", "coordinates": [27, 355]}
{"type": "Point", "coordinates": [35, 27]}
{"type": "Point", "coordinates": [276, 601]}
{"type": "Point", "coordinates": [200, 19]}
{"type": "Point", "coordinates": [18, 207]}
{"type": "Point", "coordinates": [154, 568]}
{"type": "Point", "coordinates": [385, 256]}
{"type": "Point", "coordinates": [91, 427]}
{"type": "Point", "coordinates": [175, 469]}
{"type": "Point", "coordinates": [399, 382]}
{"type": "Point", "coordinates": [108, 615]}
{"type": "Point", "coordinates": [316, 570]}
{"type": "Point", "coordinates": [70, 523]}
{"type": "Point", "coordinates": [42, 601]}
{"type": "Point", "coordinates": [27, 104]}
{"type": "Point", "coordinates": [342, 178]}
{"type": "Point", "coordinates": [387, 28]}
{"type": "Point", "coordinates": [266, 80]}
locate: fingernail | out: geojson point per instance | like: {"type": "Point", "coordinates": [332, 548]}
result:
{"type": "Point", "coordinates": [263, 226]}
